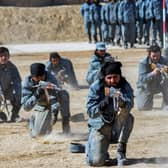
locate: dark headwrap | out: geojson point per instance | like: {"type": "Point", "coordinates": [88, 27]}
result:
{"type": "Point", "coordinates": [37, 69]}
{"type": "Point", "coordinates": [111, 68]}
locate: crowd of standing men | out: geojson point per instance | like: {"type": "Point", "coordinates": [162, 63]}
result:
{"type": "Point", "coordinates": [119, 22]}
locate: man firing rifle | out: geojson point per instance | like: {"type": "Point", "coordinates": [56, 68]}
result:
{"type": "Point", "coordinates": [42, 93]}
{"type": "Point", "coordinates": [152, 79]}
{"type": "Point", "coordinates": [109, 102]}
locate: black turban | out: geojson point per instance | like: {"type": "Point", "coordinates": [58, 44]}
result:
{"type": "Point", "coordinates": [111, 68]}
{"type": "Point", "coordinates": [37, 69]}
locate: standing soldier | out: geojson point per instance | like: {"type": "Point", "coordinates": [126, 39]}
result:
{"type": "Point", "coordinates": [157, 22]}
{"type": "Point", "coordinates": [148, 21]}
{"type": "Point", "coordinates": [127, 18]}
{"type": "Point", "coordinates": [140, 10]}
{"type": "Point", "coordinates": [10, 83]}
{"type": "Point", "coordinates": [118, 24]}
{"type": "Point", "coordinates": [112, 20]}
{"type": "Point", "coordinates": [109, 102]}
{"type": "Point", "coordinates": [85, 12]}
{"type": "Point", "coordinates": [104, 24]}
{"type": "Point", "coordinates": [95, 16]}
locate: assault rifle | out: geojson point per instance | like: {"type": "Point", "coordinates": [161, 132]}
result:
{"type": "Point", "coordinates": [47, 85]}
{"type": "Point", "coordinates": [115, 94]}
{"type": "Point", "coordinates": [163, 70]}
{"type": "Point", "coordinates": [162, 67]}
{"type": "Point", "coordinates": [120, 113]}
{"type": "Point", "coordinates": [4, 110]}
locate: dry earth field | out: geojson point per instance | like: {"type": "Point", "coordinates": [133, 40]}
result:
{"type": "Point", "coordinates": [147, 146]}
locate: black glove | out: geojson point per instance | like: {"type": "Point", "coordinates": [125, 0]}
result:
{"type": "Point", "coordinates": [39, 91]}
{"type": "Point", "coordinates": [103, 104]}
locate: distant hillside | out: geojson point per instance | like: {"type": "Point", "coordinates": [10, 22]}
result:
{"type": "Point", "coordinates": [24, 25]}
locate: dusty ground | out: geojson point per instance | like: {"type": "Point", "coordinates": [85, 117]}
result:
{"type": "Point", "coordinates": [147, 146]}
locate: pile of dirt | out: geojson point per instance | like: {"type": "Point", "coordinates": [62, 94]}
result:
{"type": "Point", "coordinates": [25, 25]}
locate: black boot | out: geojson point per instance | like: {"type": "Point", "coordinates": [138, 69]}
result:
{"type": "Point", "coordinates": [66, 126]}
{"type": "Point", "coordinates": [121, 154]}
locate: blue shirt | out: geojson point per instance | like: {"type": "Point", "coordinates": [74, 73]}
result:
{"type": "Point", "coordinates": [127, 12]}
{"type": "Point", "coordinates": [145, 78]}
{"type": "Point", "coordinates": [85, 11]}
{"type": "Point", "coordinates": [157, 9]}
{"type": "Point", "coordinates": [96, 94]}
{"type": "Point", "coordinates": [28, 90]}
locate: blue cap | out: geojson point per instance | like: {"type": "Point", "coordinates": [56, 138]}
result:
{"type": "Point", "coordinates": [100, 46]}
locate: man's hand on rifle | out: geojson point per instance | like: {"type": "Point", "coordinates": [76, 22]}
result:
{"type": "Point", "coordinates": [159, 68]}
{"type": "Point", "coordinates": [113, 92]}
{"type": "Point", "coordinates": [156, 71]}
{"type": "Point", "coordinates": [164, 69]}
{"type": "Point", "coordinates": [48, 85]}
{"type": "Point", "coordinates": [116, 93]}
{"type": "Point", "coordinates": [39, 91]}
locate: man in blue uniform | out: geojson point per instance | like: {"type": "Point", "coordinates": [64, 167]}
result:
{"type": "Point", "coordinates": [148, 21]}
{"type": "Point", "coordinates": [140, 11]}
{"type": "Point", "coordinates": [109, 102]}
{"type": "Point", "coordinates": [85, 12]}
{"type": "Point", "coordinates": [157, 22]}
{"type": "Point", "coordinates": [127, 18]}
{"type": "Point", "coordinates": [62, 69]}
{"type": "Point", "coordinates": [96, 62]}
{"type": "Point", "coordinates": [10, 83]}
{"type": "Point", "coordinates": [152, 79]}
{"type": "Point", "coordinates": [41, 93]}
{"type": "Point", "coordinates": [95, 17]}
{"type": "Point", "coordinates": [104, 23]}
{"type": "Point", "coordinates": [112, 17]}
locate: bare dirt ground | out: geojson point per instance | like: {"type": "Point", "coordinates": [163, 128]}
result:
{"type": "Point", "coordinates": [147, 145]}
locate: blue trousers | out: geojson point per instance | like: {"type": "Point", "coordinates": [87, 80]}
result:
{"type": "Point", "coordinates": [147, 30]}
{"type": "Point", "coordinates": [140, 29]}
{"type": "Point", "coordinates": [96, 27]}
{"type": "Point", "coordinates": [118, 34]}
{"type": "Point", "coordinates": [99, 140]}
{"type": "Point", "coordinates": [144, 97]}
{"type": "Point", "coordinates": [40, 123]}
{"type": "Point", "coordinates": [88, 27]}
{"type": "Point", "coordinates": [105, 32]}
{"type": "Point", "coordinates": [112, 29]}
{"type": "Point", "coordinates": [157, 28]}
